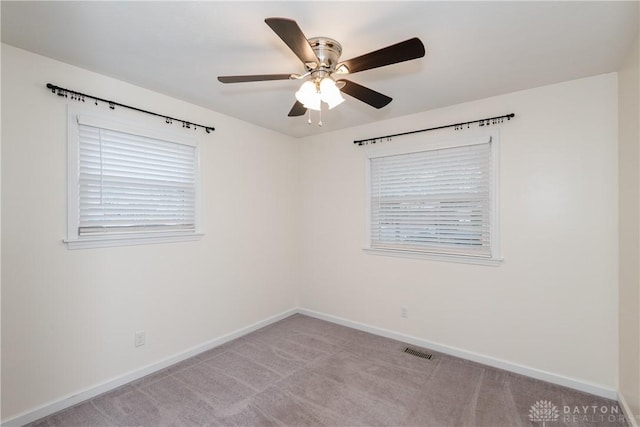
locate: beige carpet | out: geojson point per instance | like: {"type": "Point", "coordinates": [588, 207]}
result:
{"type": "Point", "coordinates": [306, 372]}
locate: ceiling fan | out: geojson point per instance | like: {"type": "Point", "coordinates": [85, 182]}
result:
{"type": "Point", "coordinates": [320, 57]}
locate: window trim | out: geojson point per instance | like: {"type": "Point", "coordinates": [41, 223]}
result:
{"type": "Point", "coordinates": [417, 143]}
{"type": "Point", "coordinates": [76, 241]}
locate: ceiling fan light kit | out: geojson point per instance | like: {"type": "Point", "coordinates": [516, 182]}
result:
{"type": "Point", "coordinates": [320, 57]}
{"type": "Point", "coordinates": [317, 90]}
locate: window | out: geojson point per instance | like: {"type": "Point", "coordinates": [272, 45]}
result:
{"type": "Point", "coordinates": [129, 185]}
{"type": "Point", "coordinates": [436, 199]}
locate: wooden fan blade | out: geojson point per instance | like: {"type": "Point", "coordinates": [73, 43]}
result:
{"type": "Point", "coordinates": [364, 94]}
{"type": "Point", "coordinates": [297, 110]}
{"type": "Point", "coordinates": [254, 78]}
{"type": "Point", "coordinates": [399, 52]}
{"type": "Point", "coordinates": [290, 33]}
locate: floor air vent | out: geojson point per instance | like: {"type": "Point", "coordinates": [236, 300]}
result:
{"type": "Point", "coordinates": [418, 353]}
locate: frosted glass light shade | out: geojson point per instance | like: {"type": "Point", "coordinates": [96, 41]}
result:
{"type": "Point", "coordinates": [329, 93]}
{"type": "Point", "coordinates": [313, 103]}
{"type": "Point", "coordinates": [308, 96]}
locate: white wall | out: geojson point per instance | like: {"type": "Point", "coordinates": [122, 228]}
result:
{"type": "Point", "coordinates": [69, 316]}
{"type": "Point", "coordinates": [552, 304]}
{"type": "Point", "coordinates": [629, 233]}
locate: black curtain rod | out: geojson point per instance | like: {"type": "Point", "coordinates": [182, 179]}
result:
{"type": "Point", "coordinates": [79, 96]}
{"type": "Point", "coordinates": [457, 126]}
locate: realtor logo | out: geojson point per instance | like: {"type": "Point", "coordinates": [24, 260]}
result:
{"type": "Point", "coordinates": [543, 411]}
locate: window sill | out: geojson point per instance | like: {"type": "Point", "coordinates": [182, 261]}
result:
{"type": "Point", "coordinates": [129, 240]}
{"type": "Point", "coordinates": [464, 259]}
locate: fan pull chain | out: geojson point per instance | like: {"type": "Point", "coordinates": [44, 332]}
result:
{"type": "Point", "coordinates": [319, 117]}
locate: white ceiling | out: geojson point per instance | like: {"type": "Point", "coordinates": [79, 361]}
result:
{"type": "Point", "coordinates": [474, 49]}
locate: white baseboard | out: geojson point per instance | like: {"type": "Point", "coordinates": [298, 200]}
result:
{"type": "Point", "coordinates": [562, 380]}
{"type": "Point", "coordinates": [88, 393]}
{"type": "Point", "coordinates": [631, 417]}
{"type": "Point", "coordinates": [82, 395]}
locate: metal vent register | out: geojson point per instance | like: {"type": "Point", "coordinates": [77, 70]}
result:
{"type": "Point", "coordinates": [418, 353]}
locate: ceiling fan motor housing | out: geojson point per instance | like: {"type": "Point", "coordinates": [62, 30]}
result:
{"type": "Point", "coordinates": [328, 52]}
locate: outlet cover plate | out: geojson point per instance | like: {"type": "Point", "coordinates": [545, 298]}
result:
{"type": "Point", "coordinates": [139, 339]}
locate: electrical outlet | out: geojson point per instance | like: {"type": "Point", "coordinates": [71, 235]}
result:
{"type": "Point", "coordinates": [139, 339]}
{"type": "Point", "coordinates": [404, 312]}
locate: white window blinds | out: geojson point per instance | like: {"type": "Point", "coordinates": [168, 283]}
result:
{"type": "Point", "coordinates": [436, 201]}
{"type": "Point", "coordinates": [133, 183]}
